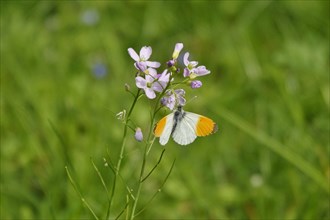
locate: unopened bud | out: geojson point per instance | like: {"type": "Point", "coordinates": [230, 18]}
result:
{"type": "Point", "coordinates": [177, 50]}
{"type": "Point", "coordinates": [138, 134]}
{"type": "Point", "coordinates": [127, 87]}
{"type": "Point", "coordinates": [170, 63]}
{"type": "Point", "coordinates": [196, 84]}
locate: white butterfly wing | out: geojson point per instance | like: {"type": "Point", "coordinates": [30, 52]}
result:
{"type": "Point", "coordinates": [184, 132]}
{"type": "Point", "coordinates": [165, 136]}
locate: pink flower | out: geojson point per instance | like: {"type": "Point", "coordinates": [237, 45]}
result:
{"type": "Point", "coordinates": [163, 80]}
{"type": "Point", "coordinates": [142, 62]}
{"type": "Point", "coordinates": [152, 82]}
{"type": "Point", "coordinates": [174, 98]}
{"type": "Point", "coordinates": [191, 68]}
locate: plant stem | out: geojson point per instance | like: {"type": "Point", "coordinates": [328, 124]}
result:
{"type": "Point", "coordinates": [140, 182]}
{"type": "Point", "coordinates": [122, 150]}
{"type": "Point", "coordinates": [149, 143]}
{"type": "Point", "coordinates": [146, 152]}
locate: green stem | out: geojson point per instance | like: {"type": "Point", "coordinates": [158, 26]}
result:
{"type": "Point", "coordinates": [139, 184]}
{"type": "Point", "coordinates": [147, 146]}
{"type": "Point", "coordinates": [150, 141]}
{"type": "Point", "coordinates": [122, 150]}
{"type": "Point", "coordinates": [159, 189]}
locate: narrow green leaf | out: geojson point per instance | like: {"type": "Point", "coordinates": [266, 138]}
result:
{"type": "Point", "coordinates": [276, 147]}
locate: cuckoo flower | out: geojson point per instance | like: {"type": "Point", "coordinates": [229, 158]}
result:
{"type": "Point", "coordinates": [177, 49]}
{"type": "Point", "coordinates": [142, 62]}
{"type": "Point", "coordinates": [174, 98]}
{"type": "Point", "coordinates": [163, 80]}
{"type": "Point", "coordinates": [191, 68]}
{"type": "Point", "coordinates": [152, 82]}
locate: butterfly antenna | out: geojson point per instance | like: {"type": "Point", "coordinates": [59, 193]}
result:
{"type": "Point", "coordinates": [195, 97]}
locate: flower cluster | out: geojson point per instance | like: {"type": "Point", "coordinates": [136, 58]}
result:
{"type": "Point", "coordinates": [151, 81]}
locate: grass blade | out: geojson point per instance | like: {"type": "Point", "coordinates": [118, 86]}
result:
{"type": "Point", "coordinates": [276, 147]}
{"type": "Point", "coordinates": [73, 183]}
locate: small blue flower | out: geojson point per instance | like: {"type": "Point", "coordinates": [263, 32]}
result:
{"type": "Point", "coordinates": [90, 17]}
{"type": "Point", "coordinates": [99, 70]}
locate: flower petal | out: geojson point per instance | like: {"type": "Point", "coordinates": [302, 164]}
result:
{"type": "Point", "coordinates": [177, 50]}
{"type": "Point", "coordinates": [164, 77]}
{"type": "Point", "coordinates": [158, 86]}
{"type": "Point", "coordinates": [185, 59]}
{"type": "Point", "coordinates": [201, 71]}
{"type": "Point", "coordinates": [168, 101]}
{"type": "Point", "coordinates": [186, 72]}
{"type": "Point", "coordinates": [178, 47]}
{"type": "Point", "coordinates": [142, 66]}
{"type": "Point", "coordinates": [180, 92]}
{"type": "Point", "coordinates": [150, 93]}
{"type": "Point", "coordinates": [181, 101]}
{"type": "Point", "coordinates": [171, 104]}
{"type": "Point", "coordinates": [133, 54]}
{"type": "Point", "coordinates": [153, 64]}
{"type": "Point", "coordinates": [152, 72]}
{"type": "Point", "coordinates": [140, 82]}
{"type": "Point", "coordinates": [192, 64]}
{"type": "Point", "coordinates": [145, 53]}
{"type": "Point", "coordinates": [150, 79]}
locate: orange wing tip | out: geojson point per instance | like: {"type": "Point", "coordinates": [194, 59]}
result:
{"type": "Point", "coordinates": [159, 127]}
{"type": "Point", "coordinates": [205, 126]}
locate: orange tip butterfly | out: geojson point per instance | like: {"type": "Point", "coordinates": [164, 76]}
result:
{"type": "Point", "coordinates": [184, 127]}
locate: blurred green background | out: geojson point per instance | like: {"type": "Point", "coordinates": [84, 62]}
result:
{"type": "Point", "coordinates": [63, 69]}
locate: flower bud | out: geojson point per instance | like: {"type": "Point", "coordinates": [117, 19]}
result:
{"type": "Point", "coordinates": [138, 134]}
{"type": "Point", "coordinates": [170, 63]}
{"type": "Point", "coordinates": [196, 84]}
{"type": "Point", "coordinates": [121, 115]}
{"type": "Point", "coordinates": [174, 69]}
{"type": "Point", "coordinates": [177, 50]}
{"type": "Point", "coordinates": [127, 87]}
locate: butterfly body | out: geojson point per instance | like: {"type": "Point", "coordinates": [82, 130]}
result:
{"type": "Point", "coordinates": [184, 127]}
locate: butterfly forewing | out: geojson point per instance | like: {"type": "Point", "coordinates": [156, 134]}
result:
{"type": "Point", "coordinates": [205, 126]}
{"type": "Point", "coordinates": [163, 129]}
